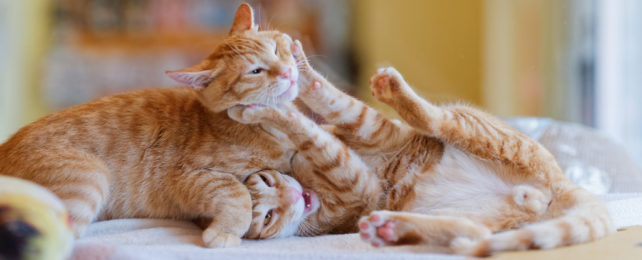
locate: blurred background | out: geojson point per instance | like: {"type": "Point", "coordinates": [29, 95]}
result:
{"type": "Point", "coordinates": [571, 60]}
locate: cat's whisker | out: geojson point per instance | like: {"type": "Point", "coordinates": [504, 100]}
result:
{"type": "Point", "coordinates": [316, 55]}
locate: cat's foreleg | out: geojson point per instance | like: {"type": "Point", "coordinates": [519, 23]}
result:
{"type": "Point", "coordinates": [382, 228]}
{"type": "Point", "coordinates": [343, 183]}
{"type": "Point", "coordinates": [220, 197]}
{"type": "Point", "coordinates": [355, 123]}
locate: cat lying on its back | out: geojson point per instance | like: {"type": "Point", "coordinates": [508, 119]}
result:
{"type": "Point", "coordinates": [453, 177]}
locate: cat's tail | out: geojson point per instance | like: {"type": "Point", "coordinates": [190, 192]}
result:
{"type": "Point", "coordinates": [578, 217]}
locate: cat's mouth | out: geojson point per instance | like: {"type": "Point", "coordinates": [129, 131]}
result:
{"type": "Point", "coordinates": [311, 202]}
{"type": "Point", "coordinates": [290, 93]}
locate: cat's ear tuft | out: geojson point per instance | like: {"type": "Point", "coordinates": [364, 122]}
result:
{"type": "Point", "coordinates": [194, 79]}
{"type": "Point", "coordinates": [243, 20]}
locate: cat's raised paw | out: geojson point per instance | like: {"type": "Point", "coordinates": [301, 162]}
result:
{"type": "Point", "coordinates": [386, 84]}
{"type": "Point", "coordinates": [299, 55]}
{"type": "Point", "coordinates": [216, 239]}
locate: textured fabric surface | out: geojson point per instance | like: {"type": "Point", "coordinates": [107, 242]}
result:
{"type": "Point", "coordinates": [587, 157]}
{"type": "Point", "coordinates": [169, 239]}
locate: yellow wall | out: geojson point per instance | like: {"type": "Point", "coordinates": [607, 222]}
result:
{"type": "Point", "coordinates": [522, 46]}
{"type": "Point", "coordinates": [435, 44]}
{"type": "Point", "coordinates": [24, 28]}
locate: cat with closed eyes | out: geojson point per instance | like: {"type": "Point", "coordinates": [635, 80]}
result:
{"type": "Point", "coordinates": [452, 178]}
{"type": "Point", "coordinates": [177, 153]}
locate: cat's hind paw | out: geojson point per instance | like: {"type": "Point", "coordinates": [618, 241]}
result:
{"type": "Point", "coordinates": [531, 199]}
{"type": "Point", "coordinates": [387, 84]}
{"type": "Point", "coordinates": [377, 229]}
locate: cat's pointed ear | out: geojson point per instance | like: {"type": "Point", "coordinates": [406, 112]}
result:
{"type": "Point", "coordinates": [194, 79]}
{"type": "Point", "coordinates": [243, 20]}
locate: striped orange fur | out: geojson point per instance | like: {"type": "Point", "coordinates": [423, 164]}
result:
{"type": "Point", "coordinates": [453, 176]}
{"type": "Point", "coordinates": [176, 153]}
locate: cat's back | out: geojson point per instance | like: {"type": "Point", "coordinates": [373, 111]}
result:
{"type": "Point", "coordinates": [97, 117]}
{"type": "Point", "coordinates": [135, 131]}
{"type": "Point", "coordinates": [109, 125]}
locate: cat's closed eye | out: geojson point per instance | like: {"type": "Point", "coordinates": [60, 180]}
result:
{"type": "Point", "coordinates": [266, 180]}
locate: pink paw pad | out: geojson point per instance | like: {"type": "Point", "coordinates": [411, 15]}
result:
{"type": "Point", "coordinates": [382, 82]}
{"type": "Point", "coordinates": [376, 230]}
{"type": "Point", "coordinates": [386, 232]}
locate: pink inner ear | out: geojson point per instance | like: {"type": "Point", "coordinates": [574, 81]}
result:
{"type": "Point", "coordinates": [196, 80]}
{"type": "Point", "coordinates": [244, 19]}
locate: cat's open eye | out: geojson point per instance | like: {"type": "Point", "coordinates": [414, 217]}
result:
{"type": "Point", "coordinates": [268, 217]}
{"type": "Point", "coordinates": [266, 180]}
{"type": "Point", "coordinates": [256, 71]}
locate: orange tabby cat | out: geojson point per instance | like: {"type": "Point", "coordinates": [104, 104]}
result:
{"type": "Point", "coordinates": [454, 177]}
{"type": "Point", "coordinates": [176, 153]}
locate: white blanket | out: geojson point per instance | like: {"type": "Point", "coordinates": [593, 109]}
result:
{"type": "Point", "coordinates": [167, 239]}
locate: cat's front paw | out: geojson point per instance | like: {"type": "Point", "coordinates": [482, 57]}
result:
{"type": "Point", "coordinates": [251, 114]}
{"type": "Point", "coordinates": [309, 80]}
{"type": "Point", "coordinates": [214, 238]}
{"type": "Point", "coordinates": [299, 56]}
{"type": "Point", "coordinates": [387, 84]}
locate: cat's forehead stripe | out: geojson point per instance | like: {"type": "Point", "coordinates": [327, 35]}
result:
{"type": "Point", "coordinates": [243, 46]}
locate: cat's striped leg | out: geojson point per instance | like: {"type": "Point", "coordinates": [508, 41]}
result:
{"type": "Point", "coordinates": [355, 123]}
{"type": "Point", "coordinates": [573, 214]}
{"type": "Point", "coordinates": [344, 185]}
{"type": "Point", "coordinates": [217, 196]}
{"type": "Point", "coordinates": [405, 228]}
{"type": "Point", "coordinates": [468, 128]}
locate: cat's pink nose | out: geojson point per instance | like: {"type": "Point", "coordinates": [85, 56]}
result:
{"type": "Point", "coordinates": [287, 74]}
{"type": "Point", "coordinates": [292, 195]}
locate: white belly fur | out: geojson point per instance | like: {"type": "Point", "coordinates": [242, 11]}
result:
{"type": "Point", "coordinates": [460, 184]}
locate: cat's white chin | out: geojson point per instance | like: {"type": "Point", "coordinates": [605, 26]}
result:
{"type": "Point", "coordinates": [311, 202]}
{"type": "Point", "coordinates": [290, 93]}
